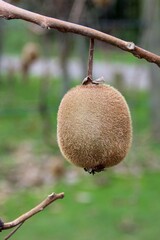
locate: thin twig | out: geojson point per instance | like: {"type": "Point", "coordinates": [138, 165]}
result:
{"type": "Point", "coordinates": [51, 198]}
{"type": "Point", "coordinates": [9, 11]}
{"type": "Point", "coordinates": [13, 232]}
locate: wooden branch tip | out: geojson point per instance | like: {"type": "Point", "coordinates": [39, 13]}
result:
{"type": "Point", "coordinates": [56, 196]}
{"type": "Point", "coordinates": [50, 198]}
{"type": "Point", "coordinates": [8, 11]}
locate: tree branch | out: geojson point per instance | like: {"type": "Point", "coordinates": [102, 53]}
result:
{"type": "Point", "coordinates": [20, 220]}
{"type": "Point", "coordinates": [9, 11]}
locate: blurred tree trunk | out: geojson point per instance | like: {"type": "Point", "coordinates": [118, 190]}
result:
{"type": "Point", "coordinates": [66, 43]}
{"type": "Point", "coordinates": [76, 15]}
{"type": "Point", "coordinates": [82, 50]}
{"type": "Point", "coordinates": [1, 41]}
{"type": "Point", "coordinates": [151, 40]}
{"type": "Point", "coordinates": [64, 53]}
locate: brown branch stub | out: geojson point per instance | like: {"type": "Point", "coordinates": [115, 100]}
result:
{"type": "Point", "coordinates": [51, 198]}
{"type": "Point", "coordinates": [9, 11]}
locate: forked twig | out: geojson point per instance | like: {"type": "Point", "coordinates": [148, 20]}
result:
{"type": "Point", "coordinates": [13, 232]}
{"type": "Point", "coordinates": [21, 219]}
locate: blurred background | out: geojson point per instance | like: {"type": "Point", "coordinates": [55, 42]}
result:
{"type": "Point", "coordinates": [37, 67]}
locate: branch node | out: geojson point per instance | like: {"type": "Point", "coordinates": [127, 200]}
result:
{"type": "Point", "coordinates": [51, 195]}
{"type": "Point", "coordinates": [45, 25]}
{"type": "Point", "coordinates": [130, 46]}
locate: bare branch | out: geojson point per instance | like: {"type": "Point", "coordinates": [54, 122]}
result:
{"type": "Point", "coordinates": [51, 198]}
{"type": "Point", "coordinates": [9, 11]}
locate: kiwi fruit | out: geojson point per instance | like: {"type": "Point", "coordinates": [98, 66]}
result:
{"type": "Point", "coordinates": [94, 127]}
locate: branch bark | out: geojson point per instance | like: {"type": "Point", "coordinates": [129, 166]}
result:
{"type": "Point", "coordinates": [20, 220]}
{"type": "Point", "coordinates": [9, 11]}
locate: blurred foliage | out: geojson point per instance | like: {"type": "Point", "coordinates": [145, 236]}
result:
{"type": "Point", "coordinates": [123, 209]}
{"type": "Point", "coordinates": [116, 205]}
{"type": "Point", "coordinates": [19, 110]}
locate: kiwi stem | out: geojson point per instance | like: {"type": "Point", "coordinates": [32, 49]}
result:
{"type": "Point", "coordinates": [90, 62]}
{"type": "Point", "coordinates": [90, 59]}
{"type": "Point", "coordinates": [89, 78]}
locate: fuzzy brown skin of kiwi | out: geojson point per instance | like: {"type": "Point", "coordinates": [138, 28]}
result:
{"type": "Point", "coordinates": [94, 128]}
